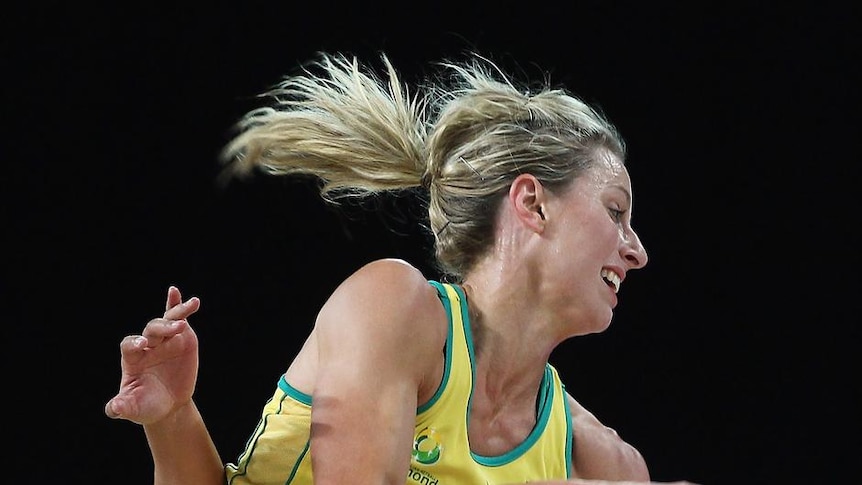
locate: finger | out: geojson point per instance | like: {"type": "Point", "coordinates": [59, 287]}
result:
{"type": "Point", "coordinates": [114, 408]}
{"type": "Point", "coordinates": [184, 310]}
{"type": "Point", "coordinates": [163, 328]}
{"type": "Point", "coordinates": [174, 298]}
{"type": "Point", "coordinates": [132, 343]}
{"type": "Point", "coordinates": [156, 332]}
{"type": "Point", "coordinates": [132, 347]}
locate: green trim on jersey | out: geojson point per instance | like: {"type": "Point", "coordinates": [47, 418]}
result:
{"type": "Point", "coordinates": [278, 451]}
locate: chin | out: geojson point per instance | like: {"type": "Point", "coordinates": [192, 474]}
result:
{"type": "Point", "coordinates": [587, 323]}
{"type": "Point", "coordinates": [603, 325]}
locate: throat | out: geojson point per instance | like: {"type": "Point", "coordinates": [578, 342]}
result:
{"type": "Point", "coordinates": [494, 430]}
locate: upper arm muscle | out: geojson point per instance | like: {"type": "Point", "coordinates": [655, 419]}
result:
{"type": "Point", "coordinates": [373, 352]}
{"type": "Point", "coordinates": [599, 452]}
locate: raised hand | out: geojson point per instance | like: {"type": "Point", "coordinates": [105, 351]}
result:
{"type": "Point", "coordinates": [159, 367]}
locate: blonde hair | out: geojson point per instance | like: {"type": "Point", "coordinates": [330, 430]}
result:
{"type": "Point", "coordinates": [464, 138]}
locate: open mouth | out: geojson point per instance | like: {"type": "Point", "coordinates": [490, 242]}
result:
{"type": "Point", "coordinates": [612, 279]}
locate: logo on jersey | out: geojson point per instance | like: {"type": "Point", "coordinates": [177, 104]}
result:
{"type": "Point", "coordinates": [427, 447]}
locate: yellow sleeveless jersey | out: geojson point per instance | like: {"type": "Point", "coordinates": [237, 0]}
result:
{"type": "Point", "coordinates": [278, 451]}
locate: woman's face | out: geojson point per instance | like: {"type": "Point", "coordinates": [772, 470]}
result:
{"type": "Point", "coordinates": [591, 246]}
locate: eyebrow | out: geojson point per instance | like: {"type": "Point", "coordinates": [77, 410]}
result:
{"type": "Point", "coordinates": [625, 192]}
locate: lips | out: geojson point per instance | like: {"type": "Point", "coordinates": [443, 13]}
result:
{"type": "Point", "coordinates": [612, 279]}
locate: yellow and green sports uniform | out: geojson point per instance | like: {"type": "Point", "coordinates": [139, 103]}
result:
{"type": "Point", "coordinates": [278, 451]}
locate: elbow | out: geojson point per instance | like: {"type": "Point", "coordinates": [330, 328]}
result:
{"type": "Point", "coordinates": [628, 463]}
{"type": "Point", "coordinates": [633, 463]}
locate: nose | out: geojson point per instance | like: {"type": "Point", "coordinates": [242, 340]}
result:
{"type": "Point", "coordinates": [633, 250]}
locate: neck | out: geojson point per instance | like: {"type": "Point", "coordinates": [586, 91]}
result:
{"type": "Point", "coordinates": [512, 340]}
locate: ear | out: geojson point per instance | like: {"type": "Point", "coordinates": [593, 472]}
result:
{"type": "Point", "coordinates": [527, 197]}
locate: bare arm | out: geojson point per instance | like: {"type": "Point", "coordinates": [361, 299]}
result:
{"type": "Point", "coordinates": [600, 453]}
{"type": "Point", "coordinates": [601, 457]}
{"type": "Point", "coordinates": [183, 451]}
{"type": "Point", "coordinates": [378, 336]}
{"type": "Point", "coordinates": [159, 370]}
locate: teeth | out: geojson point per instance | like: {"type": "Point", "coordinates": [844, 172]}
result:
{"type": "Point", "coordinates": [613, 278]}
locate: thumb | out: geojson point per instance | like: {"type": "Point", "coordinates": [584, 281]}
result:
{"type": "Point", "coordinates": [114, 408]}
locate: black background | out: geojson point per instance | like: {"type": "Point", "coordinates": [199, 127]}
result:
{"type": "Point", "coordinates": [731, 355]}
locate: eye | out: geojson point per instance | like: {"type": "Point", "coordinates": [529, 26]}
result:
{"type": "Point", "coordinates": [616, 214]}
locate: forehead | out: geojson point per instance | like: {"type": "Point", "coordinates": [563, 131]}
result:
{"type": "Point", "coordinates": [608, 172]}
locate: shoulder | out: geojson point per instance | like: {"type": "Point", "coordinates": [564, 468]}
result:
{"type": "Point", "coordinates": [385, 285]}
{"type": "Point", "coordinates": [599, 452]}
{"type": "Point", "coordinates": [390, 270]}
{"type": "Point", "coordinates": [389, 297]}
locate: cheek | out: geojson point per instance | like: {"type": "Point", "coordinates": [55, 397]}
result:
{"type": "Point", "coordinates": [598, 233]}
{"type": "Point", "coordinates": [586, 238]}
{"type": "Point", "coordinates": [601, 238]}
